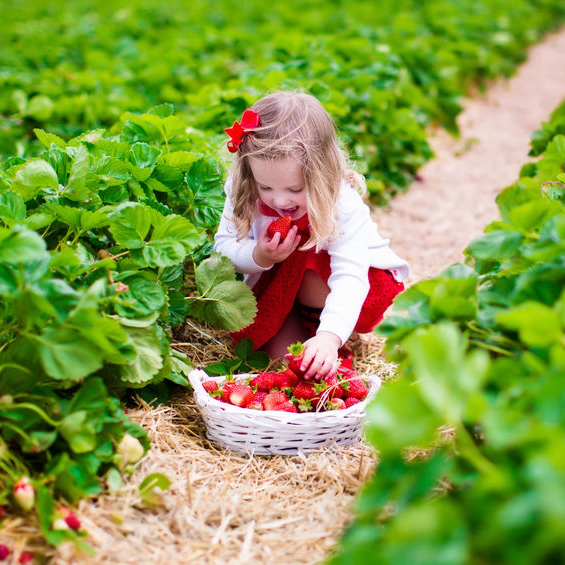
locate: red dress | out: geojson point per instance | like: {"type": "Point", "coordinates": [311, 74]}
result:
{"type": "Point", "coordinates": [276, 290]}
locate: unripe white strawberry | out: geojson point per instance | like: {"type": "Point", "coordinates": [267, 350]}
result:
{"type": "Point", "coordinates": [24, 493]}
{"type": "Point", "coordinates": [66, 519]}
{"type": "Point", "coordinates": [130, 449]}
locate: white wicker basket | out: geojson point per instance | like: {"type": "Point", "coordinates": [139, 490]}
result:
{"type": "Point", "coordinates": [275, 432]}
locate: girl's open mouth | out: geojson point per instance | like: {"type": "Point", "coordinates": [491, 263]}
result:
{"type": "Point", "coordinates": [288, 211]}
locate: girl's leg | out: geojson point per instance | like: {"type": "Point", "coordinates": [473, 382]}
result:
{"type": "Point", "coordinates": [312, 292]}
{"type": "Point", "coordinates": [291, 332]}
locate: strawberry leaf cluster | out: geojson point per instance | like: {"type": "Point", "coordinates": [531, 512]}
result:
{"type": "Point", "coordinates": [99, 241]}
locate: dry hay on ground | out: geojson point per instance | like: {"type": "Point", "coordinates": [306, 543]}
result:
{"type": "Point", "coordinates": [221, 507]}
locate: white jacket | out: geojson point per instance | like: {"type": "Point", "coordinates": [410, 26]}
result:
{"type": "Point", "coordinates": [351, 254]}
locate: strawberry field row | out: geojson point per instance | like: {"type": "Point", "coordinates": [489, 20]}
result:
{"type": "Point", "coordinates": [109, 199]}
{"type": "Point", "coordinates": [385, 73]}
{"type": "Point", "coordinates": [479, 405]}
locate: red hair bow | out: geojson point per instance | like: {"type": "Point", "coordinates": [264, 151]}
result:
{"type": "Point", "coordinates": [249, 121]}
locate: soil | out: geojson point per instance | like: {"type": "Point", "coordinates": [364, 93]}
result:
{"type": "Point", "coordinates": [237, 509]}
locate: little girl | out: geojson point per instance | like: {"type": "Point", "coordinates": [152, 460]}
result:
{"type": "Point", "coordinates": [333, 273]}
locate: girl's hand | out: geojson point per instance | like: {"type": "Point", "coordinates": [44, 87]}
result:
{"type": "Point", "coordinates": [269, 251]}
{"type": "Point", "coordinates": [320, 355]}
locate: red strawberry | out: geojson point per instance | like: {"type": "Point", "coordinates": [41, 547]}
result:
{"type": "Point", "coordinates": [281, 380]}
{"type": "Point", "coordinates": [241, 395]}
{"type": "Point", "coordinates": [210, 386]}
{"type": "Point", "coordinates": [4, 552]}
{"type": "Point", "coordinates": [280, 225]}
{"type": "Point", "coordinates": [351, 401]}
{"type": "Point", "coordinates": [346, 372]}
{"type": "Point", "coordinates": [25, 557]}
{"type": "Point", "coordinates": [273, 399]}
{"type": "Point", "coordinates": [305, 391]}
{"type": "Point", "coordinates": [335, 404]}
{"type": "Point", "coordinates": [287, 406]}
{"type": "Point", "coordinates": [335, 389]}
{"type": "Point", "coordinates": [225, 391]}
{"type": "Point", "coordinates": [291, 376]}
{"type": "Point", "coordinates": [294, 357]}
{"type": "Point", "coordinates": [259, 397]}
{"type": "Point", "coordinates": [357, 389]}
{"type": "Point", "coordinates": [255, 405]}
{"type": "Point", "coordinates": [263, 381]}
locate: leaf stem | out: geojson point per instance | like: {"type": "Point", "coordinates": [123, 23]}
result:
{"type": "Point", "coordinates": [33, 408]}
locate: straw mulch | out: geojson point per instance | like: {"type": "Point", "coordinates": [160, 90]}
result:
{"type": "Point", "coordinates": [221, 507]}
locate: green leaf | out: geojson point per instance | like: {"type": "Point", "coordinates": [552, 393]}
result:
{"type": "Point", "coordinates": [20, 245]}
{"type": "Point", "coordinates": [495, 245]}
{"type": "Point", "coordinates": [79, 431]}
{"type": "Point", "coordinates": [143, 155]}
{"type": "Point", "coordinates": [36, 174]}
{"type": "Point", "coordinates": [447, 377]}
{"type": "Point", "coordinates": [48, 139]}
{"type": "Point", "coordinates": [532, 215]}
{"type": "Point", "coordinates": [148, 361]}
{"type": "Point", "coordinates": [152, 488]}
{"type": "Point", "coordinates": [398, 418]}
{"type": "Point", "coordinates": [538, 325]}
{"type": "Point", "coordinates": [66, 355]}
{"type": "Point", "coordinates": [223, 302]}
{"type": "Point", "coordinates": [179, 229]}
{"type": "Point", "coordinates": [77, 187]}
{"type": "Point", "coordinates": [244, 349]}
{"type": "Point", "coordinates": [38, 441]}
{"type": "Point", "coordinates": [163, 253]}
{"type": "Point", "coordinates": [130, 224]}
{"type": "Point", "coordinates": [40, 107]}
{"type": "Point", "coordinates": [12, 208]}
{"type": "Point", "coordinates": [143, 298]}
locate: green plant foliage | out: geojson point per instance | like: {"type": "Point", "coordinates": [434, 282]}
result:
{"type": "Point", "coordinates": [471, 433]}
{"type": "Point", "coordinates": [95, 248]}
{"type": "Point", "coordinates": [385, 71]}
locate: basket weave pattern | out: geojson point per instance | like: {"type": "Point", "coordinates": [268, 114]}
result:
{"type": "Point", "coordinates": [275, 432]}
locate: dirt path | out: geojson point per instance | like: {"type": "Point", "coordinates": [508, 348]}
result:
{"type": "Point", "coordinates": [431, 224]}
{"type": "Point", "coordinates": [223, 508]}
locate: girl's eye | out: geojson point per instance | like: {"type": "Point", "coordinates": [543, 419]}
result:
{"type": "Point", "coordinates": [263, 187]}
{"type": "Point", "coordinates": [296, 190]}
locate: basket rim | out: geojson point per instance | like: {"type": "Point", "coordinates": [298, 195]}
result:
{"type": "Point", "coordinates": [206, 402]}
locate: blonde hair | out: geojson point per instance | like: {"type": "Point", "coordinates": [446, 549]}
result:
{"type": "Point", "coordinates": [293, 124]}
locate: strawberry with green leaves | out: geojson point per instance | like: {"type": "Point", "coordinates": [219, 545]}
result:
{"type": "Point", "coordinates": [294, 358]}
{"type": "Point", "coordinates": [264, 382]}
{"type": "Point", "coordinates": [280, 225]}
{"type": "Point", "coordinates": [336, 404]}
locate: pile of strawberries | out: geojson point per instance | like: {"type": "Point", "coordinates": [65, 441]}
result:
{"type": "Point", "coordinates": [288, 391]}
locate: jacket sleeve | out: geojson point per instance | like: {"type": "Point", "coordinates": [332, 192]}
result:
{"type": "Point", "coordinates": [226, 241]}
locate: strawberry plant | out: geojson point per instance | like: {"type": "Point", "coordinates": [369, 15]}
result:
{"type": "Point", "coordinates": [470, 435]}
{"type": "Point", "coordinates": [94, 239]}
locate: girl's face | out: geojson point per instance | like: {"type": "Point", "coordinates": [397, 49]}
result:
{"type": "Point", "coordinates": [281, 185]}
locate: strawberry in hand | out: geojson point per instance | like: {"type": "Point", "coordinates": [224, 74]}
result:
{"type": "Point", "coordinates": [280, 225]}
{"type": "Point", "coordinates": [294, 357]}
